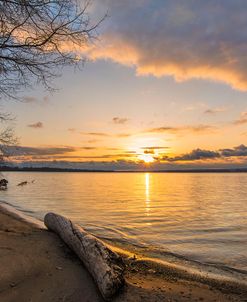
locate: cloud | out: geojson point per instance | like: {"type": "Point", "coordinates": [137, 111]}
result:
{"type": "Point", "coordinates": [155, 148]}
{"type": "Point", "coordinates": [120, 120]}
{"type": "Point", "coordinates": [149, 151]}
{"type": "Point", "coordinates": [194, 129]}
{"type": "Point", "coordinates": [93, 141]}
{"type": "Point", "coordinates": [199, 154]}
{"type": "Point", "coordinates": [88, 148]}
{"type": "Point", "coordinates": [200, 128]}
{"type": "Point", "coordinates": [122, 135]}
{"type": "Point", "coordinates": [31, 151]}
{"type": "Point", "coordinates": [72, 130]}
{"type": "Point", "coordinates": [236, 151]}
{"type": "Point", "coordinates": [214, 110]}
{"type": "Point", "coordinates": [162, 129]}
{"type": "Point", "coordinates": [108, 156]}
{"type": "Point", "coordinates": [193, 39]}
{"type": "Point", "coordinates": [104, 134]}
{"type": "Point", "coordinates": [64, 152]}
{"type": "Point", "coordinates": [95, 133]}
{"type": "Point", "coordinates": [80, 157]}
{"type": "Point", "coordinates": [242, 120]}
{"type": "Point", "coordinates": [36, 125]}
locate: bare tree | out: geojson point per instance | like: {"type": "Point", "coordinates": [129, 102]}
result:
{"type": "Point", "coordinates": [37, 37]}
{"type": "Point", "coordinates": [7, 135]}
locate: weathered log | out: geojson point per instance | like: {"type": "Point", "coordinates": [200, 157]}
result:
{"type": "Point", "coordinates": [105, 266]}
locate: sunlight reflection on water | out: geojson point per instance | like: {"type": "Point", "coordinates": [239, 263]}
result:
{"type": "Point", "coordinates": [202, 216]}
{"type": "Point", "coordinates": [147, 195]}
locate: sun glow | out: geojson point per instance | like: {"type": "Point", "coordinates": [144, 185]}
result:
{"type": "Point", "coordinates": [147, 158]}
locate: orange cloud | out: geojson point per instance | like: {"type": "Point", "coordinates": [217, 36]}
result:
{"type": "Point", "coordinates": [37, 125]}
{"type": "Point", "coordinates": [123, 52]}
{"type": "Point", "coordinates": [242, 120]}
{"type": "Point", "coordinates": [176, 38]}
{"type": "Point", "coordinates": [197, 129]}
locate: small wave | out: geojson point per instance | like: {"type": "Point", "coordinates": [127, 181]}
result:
{"type": "Point", "coordinates": [181, 263]}
{"type": "Point", "coordinates": [20, 214]}
{"type": "Point", "coordinates": [178, 265]}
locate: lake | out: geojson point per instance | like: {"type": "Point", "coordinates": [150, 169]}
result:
{"type": "Point", "coordinates": [201, 216]}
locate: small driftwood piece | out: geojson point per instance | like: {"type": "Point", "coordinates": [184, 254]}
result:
{"type": "Point", "coordinates": [23, 183]}
{"type": "Point", "coordinates": [105, 266]}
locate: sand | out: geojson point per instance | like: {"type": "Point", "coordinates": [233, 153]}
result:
{"type": "Point", "coordinates": [35, 265]}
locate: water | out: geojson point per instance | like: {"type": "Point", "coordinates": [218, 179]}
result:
{"type": "Point", "coordinates": [200, 216]}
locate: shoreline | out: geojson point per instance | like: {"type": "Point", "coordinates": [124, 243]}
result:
{"type": "Point", "coordinates": [146, 279]}
{"type": "Point", "coordinates": [166, 259]}
{"type": "Point", "coordinates": [146, 170]}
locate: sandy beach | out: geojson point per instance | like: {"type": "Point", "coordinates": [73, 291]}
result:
{"type": "Point", "coordinates": [37, 266]}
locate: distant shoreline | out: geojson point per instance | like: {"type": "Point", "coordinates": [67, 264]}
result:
{"type": "Point", "coordinates": [47, 169]}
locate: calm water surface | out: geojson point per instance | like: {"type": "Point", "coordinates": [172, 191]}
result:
{"type": "Point", "coordinates": [200, 216]}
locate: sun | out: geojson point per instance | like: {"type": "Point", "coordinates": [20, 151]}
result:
{"type": "Point", "coordinates": [147, 158]}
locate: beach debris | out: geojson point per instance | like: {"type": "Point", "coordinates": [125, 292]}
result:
{"type": "Point", "coordinates": [59, 268]}
{"type": "Point", "coordinates": [133, 258]}
{"type": "Point", "coordinates": [3, 184]}
{"type": "Point", "coordinates": [23, 183]}
{"type": "Point", "coordinates": [104, 265]}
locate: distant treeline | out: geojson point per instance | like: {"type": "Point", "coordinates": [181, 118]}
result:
{"type": "Point", "coordinates": [49, 169]}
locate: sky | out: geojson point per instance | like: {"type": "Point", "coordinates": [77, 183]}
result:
{"type": "Point", "coordinates": [164, 86]}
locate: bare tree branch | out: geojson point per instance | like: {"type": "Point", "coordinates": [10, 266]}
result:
{"type": "Point", "coordinates": [38, 38]}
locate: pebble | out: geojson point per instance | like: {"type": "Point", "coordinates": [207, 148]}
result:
{"type": "Point", "coordinates": [59, 268]}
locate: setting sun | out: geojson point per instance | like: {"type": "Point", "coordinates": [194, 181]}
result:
{"type": "Point", "coordinates": [147, 158]}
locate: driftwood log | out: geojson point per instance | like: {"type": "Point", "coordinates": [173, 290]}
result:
{"type": "Point", "coordinates": [104, 265]}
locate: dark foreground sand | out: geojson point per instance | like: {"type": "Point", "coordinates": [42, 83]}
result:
{"type": "Point", "coordinates": [35, 265]}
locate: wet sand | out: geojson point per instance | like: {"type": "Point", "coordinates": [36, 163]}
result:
{"type": "Point", "coordinates": [35, 265]}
